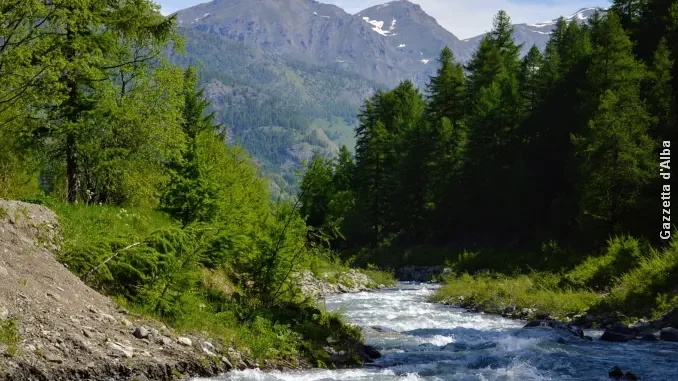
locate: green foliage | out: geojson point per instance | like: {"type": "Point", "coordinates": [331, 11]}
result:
{"type": "Point", "coordinates": [9, 336]}
{"type": "Point", "coordinates": [493, 293]}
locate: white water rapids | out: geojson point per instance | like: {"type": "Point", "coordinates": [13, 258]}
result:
{"type": "Point", "coordinates": [435, 342]}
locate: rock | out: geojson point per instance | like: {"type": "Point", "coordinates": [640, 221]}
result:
{"type": "Point", "coordinates": [589, 338]}
{"type": "Point", "coordinates": [669, 334]}
{"type": "Point", "coordinates": [209, 349]}
{"type": "Point", "coordinates": [166, 341]}
{"type": "Point", "coordinates": [649, 337]}
{"type": "Point", "coordinates": [108, 318]}
{"type": "Point", "coordinates": [87, 333]}
{"type": "Point", "coordinates": [630, 376]}
{"type": "Point", "coordinates": [120, 349]}
{"type": "Point", "coordinates": [509, 310]}
{"type": "Point", "coordinates": [242, 366]}
{"type": "Point", "coordinates": [616, 373]}
{"type": "Point", "coordinates": [670, 318]}
{"type": "Point", "coordinates": [185, 341]}
{"type": "Point", "coordinates": [141, 333]}
{"type": "Point", "coordinates": [54, 296]}
{"type": "Point", "coordinates": [53, 358]}
{"type": "Point", "coordinates": [3, 271]}
{"type": "Point", "coordinates": [4, 313]}
{"type": "Point", "coordinates": [251, 364]}
{"type": "Point", "coordinates": [382, 329]}
{"type": "Point", "coordinates": [227, 363]}
{"type": "Point", "coordinates": [371, 352]}
{"type": "Point", "coordinates": [615, 337]}
{"type": "Point", "coordinates": [556, 325]}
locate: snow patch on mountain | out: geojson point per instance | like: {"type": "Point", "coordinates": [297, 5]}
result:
{"type": "Point", "coordinates": [379, 26]}
{"type": "Point", "coordinates": [580, 16]}
{"type": "Point", "coordinates": [425, 61]}
{"type": "Point", "coordinates": [402, 45]}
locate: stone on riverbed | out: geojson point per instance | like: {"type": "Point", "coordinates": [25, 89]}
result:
{"type": "Point", "coordinates": [669, 334]}
{"type": "Point", "coordinates": [556, 325]}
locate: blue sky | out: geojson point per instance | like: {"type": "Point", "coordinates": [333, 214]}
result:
{"type": "Point", "coordinates": [464, 18]}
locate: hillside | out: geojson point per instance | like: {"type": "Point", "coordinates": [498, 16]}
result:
{"type": "Point", "coordinates": [54, 327]}
{"type": "Point", "coordinates": [312, 65]}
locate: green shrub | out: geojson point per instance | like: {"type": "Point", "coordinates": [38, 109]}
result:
{"type": "Point", "coordinates": [9, 336]}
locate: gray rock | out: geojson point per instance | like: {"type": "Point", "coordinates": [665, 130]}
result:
{"type": "Point", "coordinates": [615, 337]}
{"type": "Point", "coordinates": [382, 329]}
{"type": "Point", "coordinates": [120, 349]}
{"type": "Point", "coordinates": [3, 271]}
{"type": "Point", "coordinates": [53, 358]}
{"type": "Point", "coordinates": [185, 341]}
{"type": "Point", "coordinates": [141, 333]}
{"type": "Point", "coordinates": [227, 363]}
{"type": "Point", "coordinates": [669, 334]}
{"type": "Point", "coordinates": [108, 318]}
{"type": "Point", "coordinates": [649, 337]}
{"type": "Point", "coordinates": [166, 341]}
{"type": "Point", "coordinates": [4, 313]}
{"type": "Point", "coordinates": [670, 318]}
{"type": "Point", "coordinates": [556, 325]}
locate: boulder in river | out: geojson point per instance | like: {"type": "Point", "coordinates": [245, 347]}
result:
{"type": "Point", "coordinates": [382, 329]}
{"type": "Point", "coordinates": [670, 319]}
{"type": "Point", "coordinates": [616, 373]}
{"type": "Point", "coordinates": [370, 352]}
{"type": "Point", "coordinates": [556, 325]}
{"type": "Point", "coordinates": [669, 334]}
{"type": "Point", "coordinates": [616, 337]}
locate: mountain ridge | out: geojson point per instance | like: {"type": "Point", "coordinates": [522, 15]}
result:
{"type": "Point", "coordinates": [287, 77]}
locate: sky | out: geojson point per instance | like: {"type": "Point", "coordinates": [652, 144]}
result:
{"type": "Point", "coordinates": [464, 18]}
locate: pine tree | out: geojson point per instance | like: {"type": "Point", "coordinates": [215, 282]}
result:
{"type": "Point", "coordinates": [98, 40]}
{"type": "Point", "coordinates": [529, 79]}
{"type": "Point", "coordinates": [447, 90]}
{"type": "Point", "coordinates": [660, 98]}
{"type": "Point", "coordinates": [614, 151]}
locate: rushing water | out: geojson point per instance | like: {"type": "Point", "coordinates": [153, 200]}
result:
{"type": "Point", "coordinates": [435, 342]}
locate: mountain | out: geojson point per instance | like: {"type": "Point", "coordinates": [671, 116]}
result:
{"type": "Point", "coordinates": [287, 77]}
{"type": "Point", "coordinates": [537, 34]}
{"type": "Point", "coordinates": [312, 32]}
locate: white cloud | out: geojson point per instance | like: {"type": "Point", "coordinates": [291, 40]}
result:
{"type": "Point", "coordinates": [464, 18]}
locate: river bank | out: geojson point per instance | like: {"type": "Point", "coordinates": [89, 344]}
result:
{"type": "Point", "coordinates": [423, 341]}
{"type": "Point", "coordinates": [53, 326]}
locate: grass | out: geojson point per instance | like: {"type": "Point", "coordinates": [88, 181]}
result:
{"type": "Point", "coordinates": [628, 277]}
{"type": "Point", "coordinates": [494, 292]}
{"type": "Point", "coordinates": [9, 336]}
{"type": "Point", "coordinates": [216, 306]}
{"type": "Point", "coordinates": [380, 277]}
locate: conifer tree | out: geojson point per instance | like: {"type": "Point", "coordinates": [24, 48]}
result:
{"type": "Point", "coordinates": [614, 151]}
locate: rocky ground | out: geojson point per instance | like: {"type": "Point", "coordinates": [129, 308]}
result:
{"type": "Point", "coordinates": [54, 327]}
{"type": "Point", "coordinates": [335, 283]}
{"type": "Point", "coordinates": [421, 273]}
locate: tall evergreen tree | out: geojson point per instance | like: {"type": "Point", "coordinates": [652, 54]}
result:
{"type": "Point", "coordinates": [614, 151]}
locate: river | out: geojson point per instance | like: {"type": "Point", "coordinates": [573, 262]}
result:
{"type": "Point", "coordinates": [436, 342]}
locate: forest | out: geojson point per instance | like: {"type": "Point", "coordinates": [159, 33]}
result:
{"type": "Point", "coordinates": [545, 167]}
{"type": "Point", "coordinates": [157, 211]}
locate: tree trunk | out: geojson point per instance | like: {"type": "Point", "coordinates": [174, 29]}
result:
{"type": "Point", "coordinates": [71, 168]}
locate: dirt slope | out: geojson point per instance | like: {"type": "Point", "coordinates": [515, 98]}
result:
{"type": "Point", "coordinates": [67, 331]}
